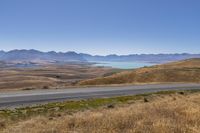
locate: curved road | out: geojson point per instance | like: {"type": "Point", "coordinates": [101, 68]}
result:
{"type": "Point", "coordinates": [27, 98]}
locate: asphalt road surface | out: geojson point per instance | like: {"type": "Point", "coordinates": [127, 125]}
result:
{"type": "Point", "coordinates": [33, 97]}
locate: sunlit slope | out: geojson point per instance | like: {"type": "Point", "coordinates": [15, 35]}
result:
{"type": "Point", "coordinates": [181, 71]}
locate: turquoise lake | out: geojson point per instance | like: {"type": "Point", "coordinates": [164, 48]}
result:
{"type": "Point", "coordinates": [123, 65]}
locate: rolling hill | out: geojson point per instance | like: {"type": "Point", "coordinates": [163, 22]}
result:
{"type": "Point", "coordinates": [181, 71]}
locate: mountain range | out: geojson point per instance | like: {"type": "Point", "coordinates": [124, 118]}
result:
{"type": "Point", "coordinates": [52, 56]}
{"type": "Point", "coordinates": [37, 56]}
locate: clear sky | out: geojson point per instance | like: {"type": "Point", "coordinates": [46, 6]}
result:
{"type": "Point", "coordinates": [101, 26]}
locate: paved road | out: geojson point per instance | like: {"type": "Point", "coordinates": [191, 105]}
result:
{"type": "Point", "coordinates": [27, 98]}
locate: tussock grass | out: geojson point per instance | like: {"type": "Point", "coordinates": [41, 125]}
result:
{"type": "Point", "coordinates": [165, 112]}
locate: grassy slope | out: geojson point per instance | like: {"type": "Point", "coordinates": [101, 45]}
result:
{"type": "Point", "coordinates": [169, 111]}
{"type": "Point", "coordinates": [52, 76]}
{"type": "Point", "coordinates": [182, 71]}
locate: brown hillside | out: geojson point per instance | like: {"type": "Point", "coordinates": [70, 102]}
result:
{"type": "Point", "coordinates": [44, 77]}
{"type": "Point", "coordinates": [182, 71]}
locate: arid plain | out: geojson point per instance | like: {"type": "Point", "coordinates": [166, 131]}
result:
{"type": "Point", "coordinates": [48, 76]}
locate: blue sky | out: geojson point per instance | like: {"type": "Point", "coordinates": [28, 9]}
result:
{"type": "Point", "coordinates": [101, 26]}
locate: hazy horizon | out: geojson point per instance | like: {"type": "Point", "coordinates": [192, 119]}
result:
{"type": "Point", "coordinates": [96, 54]}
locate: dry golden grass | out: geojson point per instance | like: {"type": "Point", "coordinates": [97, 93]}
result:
{"type": "Point", "coordinates": [53, 76]}
{"type": "Point", "coordinates": [182, 71]}
{"type": "Point", "coordinates": [173, 113]}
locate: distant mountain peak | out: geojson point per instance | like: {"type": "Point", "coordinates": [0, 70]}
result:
{"type": "Point", "coordinates": [33, 55]}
